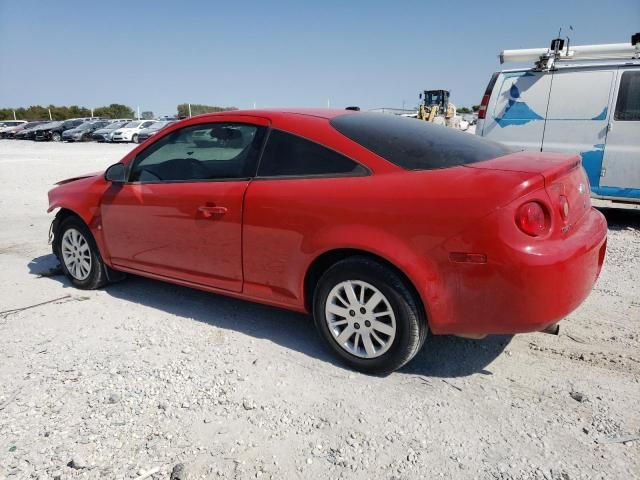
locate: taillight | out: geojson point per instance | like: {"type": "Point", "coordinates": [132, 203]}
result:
{"type": "Point", "coordinates": [533, 219]}
{"type": "Point", "coordinates": [482, 111]}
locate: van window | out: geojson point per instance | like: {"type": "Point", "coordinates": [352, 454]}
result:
{"type": "Point", "coordinates": [580, 95]}
{"type": "Point", "coordinates": [628, 105]}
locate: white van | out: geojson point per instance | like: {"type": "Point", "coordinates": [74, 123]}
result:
{"type": "Point", "coordinates": [580, 99]}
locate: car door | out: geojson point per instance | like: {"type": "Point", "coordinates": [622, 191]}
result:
{"type": "Point", "coordinates": [578, 114]}
{"type": "Point", "coordinates": [621, 164]}
{"type": "Point", "coordinates": [180, 213]}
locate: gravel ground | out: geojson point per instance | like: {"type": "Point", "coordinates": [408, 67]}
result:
{"type": "Point", "coordinates": [145, 377]}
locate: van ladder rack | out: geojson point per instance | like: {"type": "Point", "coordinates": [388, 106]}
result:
{"type": "Point", "coordinates": [545, 58]}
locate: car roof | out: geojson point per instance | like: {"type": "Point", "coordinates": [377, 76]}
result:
{"type": "Point", "coordinates": [327, 113]}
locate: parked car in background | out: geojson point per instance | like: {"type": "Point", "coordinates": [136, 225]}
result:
{"type": "Point", "coordinates": [10, 132]}
{"type": "Point", "coordinates": [8, 124]}
{"type": "Point", "coordinates": [54, 131]}
{"type": "Point", "coordinates": [445, 232]}
{"type": "Point", "coordinates": [30, 133]}
{"type": "Point", "coordinates": [153, 129]}
{"type": "Point", "coordinates": [104, 134]}
{"type": "Point", "coordinates": [130, 132]}
{"type": "Point", "coordinates": [83, 131]}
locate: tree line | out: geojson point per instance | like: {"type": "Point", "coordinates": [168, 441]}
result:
{"type": "Point", "coordinates": [197, 109]}
{"type": "Point", "coordinates": [38, 112]}
{"type": "Point", "coordinates": [115, 110]}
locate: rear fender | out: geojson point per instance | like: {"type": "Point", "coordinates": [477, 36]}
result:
{"type": "Point", "coordinates": [419, 270]}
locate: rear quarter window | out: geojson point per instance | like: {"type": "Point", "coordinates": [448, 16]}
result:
{"type": "Point", "coordinates": [415, 144]}
{"type": "Point", "coordinates": [288, 155]}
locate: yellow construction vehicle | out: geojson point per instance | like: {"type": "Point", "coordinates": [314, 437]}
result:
{"type": "Point", "coordinates": [435, 107]}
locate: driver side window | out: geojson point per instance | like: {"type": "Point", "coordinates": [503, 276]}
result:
{"type": "Point", "coordinates": [211, 151]}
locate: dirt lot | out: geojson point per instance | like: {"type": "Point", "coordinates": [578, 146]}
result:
{"type": "Point", "coordinates": [143, 375]}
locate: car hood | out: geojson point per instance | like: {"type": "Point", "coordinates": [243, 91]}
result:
{"type": "Point", "coordinates": [79, 177]}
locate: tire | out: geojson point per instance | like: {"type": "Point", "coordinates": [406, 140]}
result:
{"type": "Point", "coordinates": [73, 240]}
{"type": "Point", "coordinates": [405, 325]}
{"type": "Point", "coordinates": [134, 139]}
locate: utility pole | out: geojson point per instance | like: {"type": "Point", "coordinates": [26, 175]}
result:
{"type": "Point", "coordinates": [50, 117]}
{"type": "Point", "coordinates": [138, 108]}
{"type": "Point", "coordinates": [328, 103]}
{"type": "Point", "coordinates": [189, 109]}
{"type": "Point", "coordinates": [14, 115]}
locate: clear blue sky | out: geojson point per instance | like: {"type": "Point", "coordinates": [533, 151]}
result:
{"type": "Point", "coordinates": [277, 53]}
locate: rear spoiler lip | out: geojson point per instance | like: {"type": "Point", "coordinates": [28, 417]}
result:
{"type": "Point", "coordinates": [550, 165]}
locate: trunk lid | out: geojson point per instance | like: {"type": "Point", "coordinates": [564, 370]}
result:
{"type": "Point", "coordinates": [565, 181]}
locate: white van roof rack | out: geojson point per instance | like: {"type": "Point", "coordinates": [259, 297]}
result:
{"type": "Point", "coordinates": [545, 58]}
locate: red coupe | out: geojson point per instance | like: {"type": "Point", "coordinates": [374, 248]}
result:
{"type": "Point", "coordinates": [386, 228]}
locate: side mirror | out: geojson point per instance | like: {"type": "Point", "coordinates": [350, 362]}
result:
{"type": "Point", "coordinates": [116, 173]}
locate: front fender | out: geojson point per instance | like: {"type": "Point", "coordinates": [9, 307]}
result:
{"type": "Point", "coordinates": [82, 198]}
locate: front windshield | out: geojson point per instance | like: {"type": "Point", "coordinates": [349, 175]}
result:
{"type": "Point", "coordinates": [52, 124]}
{"type": "Point", "coordinates": [157, 126]}
{"type": "Point", "coordinates": [85, 125]}
{"type": "Point", "coordinates": [114, 125]}
{"type": "Point", "coordinates": [132, 124]}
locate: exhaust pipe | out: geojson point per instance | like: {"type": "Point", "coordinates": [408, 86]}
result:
{"type": "Point", "coordinates": [553, 329]}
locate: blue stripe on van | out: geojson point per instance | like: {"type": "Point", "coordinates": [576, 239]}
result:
{"type": "Point", "coordinates": [602, 116]}
{"type": "Point", "coordinates": [617, 192]}
{"type": "Point", "coordinates": [592, 163]}
{"type": "Point", "coordinates": [516, 112]}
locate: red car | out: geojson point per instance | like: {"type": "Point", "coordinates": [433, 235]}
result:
{"type": "Point", "coordinates": [386, 228]}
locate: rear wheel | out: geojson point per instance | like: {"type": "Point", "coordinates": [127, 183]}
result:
{"type": "Point", "coordinates": [79, 255]}
{"type": "Point", "coordinates": [369, 315]}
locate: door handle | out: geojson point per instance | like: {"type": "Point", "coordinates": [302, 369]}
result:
{"type": "Point", "coordinates": [211, 211]}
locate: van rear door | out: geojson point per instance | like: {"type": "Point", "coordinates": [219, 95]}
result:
{"type": "Point", "coordinates": [578, 115]}
{"type": "Point", "coordinates": [516, 111]}
{"type": "Point", "coordinates": [621, 167]}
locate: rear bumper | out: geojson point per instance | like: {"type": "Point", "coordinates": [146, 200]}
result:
{"type": "Point", "coordinates": [522, 288]}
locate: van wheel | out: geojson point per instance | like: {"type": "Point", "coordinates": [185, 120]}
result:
{"type": "Point", "coordinates": [368, 315]}
{"type": "Point", "coordinates": [79, 256]}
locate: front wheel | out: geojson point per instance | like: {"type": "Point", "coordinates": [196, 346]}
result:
{"type": "Point", "coordinates": [134, 139]}
{"type": "Point", "coordinates": [79, 255]}
{"type": "Point", "coordinates": [56, 137]}
{"type": "Point", "coordinates": [369, 315]}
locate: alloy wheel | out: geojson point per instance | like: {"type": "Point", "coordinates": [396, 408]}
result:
{"type": "Point", "coordinates": [360, 319]}
{"type": "Point", "coordinates": [76, 254]}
